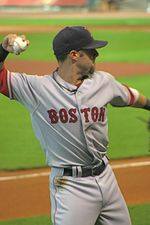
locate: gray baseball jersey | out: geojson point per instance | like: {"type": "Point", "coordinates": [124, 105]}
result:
{"type": "Point", "coordinates": [69, 122]}
{"type": "Point", "coordinates": [71, 125]}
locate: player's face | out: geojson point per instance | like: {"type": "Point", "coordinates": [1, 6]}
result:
{"type": "Point", "coordinates": [86, 62]}
{"type": "Point", "coordinates": [91, 53]}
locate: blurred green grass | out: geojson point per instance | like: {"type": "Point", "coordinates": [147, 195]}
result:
{"type": "Point", "coordinates": [19, 148]}
{"type": "Point", "coordinates": [128, 134]}
{"type": "Point", "coordinates": [24, 20]}
{"type": "Point", "coordinates": [123, 47]}
{"type": "Point", "coordinates": [139, 215]}
{"type": "Point", "coordinates": [40, 220]}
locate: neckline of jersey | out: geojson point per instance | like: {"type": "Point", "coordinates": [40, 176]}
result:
{"type": "Point", "coordinates": [63, 84]}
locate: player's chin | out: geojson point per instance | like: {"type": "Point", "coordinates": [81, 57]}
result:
{"type": "Point", "coordinates": [92, 69]}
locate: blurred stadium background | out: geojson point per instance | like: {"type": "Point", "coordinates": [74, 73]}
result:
{"type": "Point", "coordinates": [83, 5]}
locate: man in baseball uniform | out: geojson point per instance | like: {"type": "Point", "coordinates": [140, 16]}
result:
{"type": "Point", "coordinates": [69, 116]}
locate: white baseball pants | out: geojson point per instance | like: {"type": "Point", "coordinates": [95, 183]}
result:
{"type": "Point", "coordinates": [87, 200]}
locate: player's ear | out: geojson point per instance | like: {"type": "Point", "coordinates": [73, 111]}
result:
{"type": "Point", "coordinates": [74, 55]}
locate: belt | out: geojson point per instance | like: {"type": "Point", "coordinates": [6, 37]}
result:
{"type": "Point", "coordinates": [85, 171]}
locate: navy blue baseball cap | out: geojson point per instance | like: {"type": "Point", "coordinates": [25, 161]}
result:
{"type": "Point", "coordinates": [75, 38]}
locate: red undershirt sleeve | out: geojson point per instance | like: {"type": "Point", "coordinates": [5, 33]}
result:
{"type": "Point", "coordinates": [132, 98]}
{"type": "Point", "coordinates": [3, 82]}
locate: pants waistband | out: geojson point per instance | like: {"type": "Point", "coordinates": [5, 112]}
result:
{"type": "Point", "coordinates": [80, 171]}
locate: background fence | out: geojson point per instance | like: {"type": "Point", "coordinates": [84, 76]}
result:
{"type": "Point", "coordinates": [90, 5]}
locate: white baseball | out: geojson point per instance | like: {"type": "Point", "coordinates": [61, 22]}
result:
{"type": "Point", "coordinates": [19, 45]}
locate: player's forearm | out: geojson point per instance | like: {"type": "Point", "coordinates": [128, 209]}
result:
{"type": "Point", "coordinates": [3, 56]}
{"type": "Point", "coordinates": [142, 102]}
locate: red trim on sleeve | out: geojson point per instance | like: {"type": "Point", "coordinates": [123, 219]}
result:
{"type": "Point", "coordinates": [132, 98]}
{"type": "Point", "coordinates": [10, 86]}
{"type": "Point", "coordinates": [3, 82]}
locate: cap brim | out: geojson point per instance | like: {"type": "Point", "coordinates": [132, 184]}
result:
{"type": "Point", "coordinates": [96, 44]}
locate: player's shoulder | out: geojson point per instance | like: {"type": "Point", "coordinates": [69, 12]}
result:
{"type": "Point", "coordinates": [103, 75]}
{"type": "Point", "coordinates": [36, 78]}
{"type": "Point", "coordinates": [31, 80]}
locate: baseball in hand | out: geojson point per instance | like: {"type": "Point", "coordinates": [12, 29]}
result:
{"type": "Point", "coordinates": [19, 45]}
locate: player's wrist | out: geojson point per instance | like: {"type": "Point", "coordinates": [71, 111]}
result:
{"type": "Point", "coordinates": [3, 53]}
{"type": "Point", "coordinates": [147, 105]}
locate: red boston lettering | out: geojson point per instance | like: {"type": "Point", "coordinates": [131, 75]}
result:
{"type": "Point", "coordinates": [86, 111]}
{"type": "Point", "coordinates": [72, 114]}
{"type": "Point", "coordinates": [94, 114]}
{"type": "Point", "coordinates": [102, 114]}
{"type": "Point", "coordinates": [63, 114]}
{"type": "Point", "coordinates": [53, 116]}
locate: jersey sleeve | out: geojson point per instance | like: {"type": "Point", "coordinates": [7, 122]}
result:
{"type": "Point", "coordinates": [122, 94]}
{"type": "Point", "coordinates": [20, 87]}
{"type": "Point", "coordinates": [24, 88]}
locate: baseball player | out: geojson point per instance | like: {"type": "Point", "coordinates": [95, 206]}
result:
{"type": "Point", "coordinates": [69, 116]}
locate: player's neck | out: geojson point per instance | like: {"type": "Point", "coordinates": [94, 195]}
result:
{"type": "Point", "coordinates": [68, 74]}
